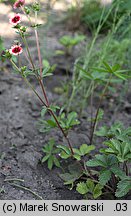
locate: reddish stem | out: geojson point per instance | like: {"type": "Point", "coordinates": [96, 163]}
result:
{"type": "Point", "coordinates": [62, 130]}
{"type": "Point", "coordinates": [39, 53]}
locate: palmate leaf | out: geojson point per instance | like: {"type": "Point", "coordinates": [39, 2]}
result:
{"type": "Point", "coordinates": [47, 71]}
{"type": "Point", "coordinates": [29, 73]}
{"type": "Point", "coordinates": [104, 176]}
{"type": "Point", "coordinates": [72, 119]}
{"type": "Point", "coordinates": [45, 158]}
{"type": "Point", "coordinates": [123, 187]}
{"type": "Point", "coordinates": [90, 184]}
{"type": "Point", "coordinates": [103, 131]}
{"type": "Point", "coordinates": [65, 149]}
{"type": "Point", "coordinates": [69, 41]}
{"type": "Point", "coordinates": [128, 131]}
{"type": "Point", "coordinates": [84, 72]}
{"type": "Point", "coordinates": [75, 168]}
{"type": "Point", "coordinates": [97, 191]}
{"type": "Point", "coordinates": [89, 187]}
{"type": "Point", "coordinates": [77, 157]}
{"type": "Point", "coordinates": [51, 123]}
{"type": "Point", "coordinates": [117, 171]}
{"type": "Point", "coordinates": [120, 147]}
{"type": "Point", "coordinates": [105, 161]}
{"type": "Point", "coordinates": [85, 149]}
{"type": "Point", "coordinates": [99, 160]}
{"type": "Point", "coordinates": [68, 178]}
{"type": "Point", "coordinates": [111, 146]}
{"type": "Point", "coordinates": [56, 162]}
{"type": "Point", "coordinates": [64, 155]}
{"type": "Point", "coordinates": [115, 70]}
{"type": "Point", "coordinates": [111, 160]}
{"type": "Point", "coordinates": [75, 172]}
{"type": "Point", "coordinates": [51, 151]}
{"type": "Point", "coordinates": [50, 162]}
{"type": "Point", "coordinates": [82, 188]}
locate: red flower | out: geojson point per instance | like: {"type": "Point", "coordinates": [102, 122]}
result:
{"type": "Point", "coordinates": [16, 50]}
{"type": "Point", "coordinates": [15, 19]}
{"type": "Point", "coordinates": [18, 4]}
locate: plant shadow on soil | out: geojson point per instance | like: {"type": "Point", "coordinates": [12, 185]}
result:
{"type": "Point", "coordinates": [21, 143]}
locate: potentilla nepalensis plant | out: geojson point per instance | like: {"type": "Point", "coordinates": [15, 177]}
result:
{"type": "Point", "coordinates": [39, 73]}
{"type": "Point", "coordinates": [113, 177]}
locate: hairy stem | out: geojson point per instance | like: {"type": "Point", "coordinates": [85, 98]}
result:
{"type": "Point", "coordinates": [62, 130]}
{"type": "Point", "coordinates": [48, 107]}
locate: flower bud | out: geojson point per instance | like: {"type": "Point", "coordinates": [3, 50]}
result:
{"type": "Point", "coordinates": [36, 6]}
{"type": "Point", "coordinates": [27, 10]}
{"type": "Point", "coordinates": [18, 3]}
{"type": "Point", "coordinates": [23, 29]}
{"type": "Point", "coordinates": [23, 69]}
{"type": "Point", "coordinates": [6, 54]}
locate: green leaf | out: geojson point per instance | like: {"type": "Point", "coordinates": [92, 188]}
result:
{"type": "Point", "coordinates": [65, 149]}
{"type": "Point", "coordinates": [102, 160]}
{"type": "Point", "coordinates": [52, 123]}
{"type": "Point", "coordinates": [90, 184]}
{"type": "Point", "coordinates": [121, 76]}
{"type": "Point", "coordinates": [50, 162]}
{"type": "Point", "coordinates": [45, 158]}
{"type": "Point", "coordinates": [97, 191]}
{"type": "Point", "coordinates": [103, 70]}
{"type": "Point", "coordinates": [116, 67]}
{"type": "Point", "coordinates": [28, 73]}
{"type": "Point", "coordinates": [94, 162]}
{"type": "Point", "coordinates": [75, 172]}
{"type": "Point", "coordinates": [59, 52]}
{"type": "Point", "coordinates": [71, 118]}
{"type": "Point", "coordinates": [68, 178]}
{"type": "Point", "coordinates": [56, 162]}
{"type": "Point", "coordinates": [64, 155]}
{"type": "Point", "coordinates": [47, 71]}
{"type": "Point", "coordinates": [76, 168]}
{"type": "Point", "coordinates": [118, 172]}
{"type": "Point", "coordinates": [43, 111]}
{"type": "Point", "coordinates": [104, 176]}
{"type": "Point", "coordinates": [77, 157]}
{"type": "Point", "coordinates": [128, 131]}
{"type": "Point", "coordinates": [84, 72]}
{"type": "Point", "coordinates": [85, 149]}
{"type": "Point", "coordinates": [103, 131]}
{"type": "Point", "coordinates": [51, 144]}
{"type": "Point", "coordinates": [77, 151]}
{"type": "Point", "coordinates": [46, 63]}
{"type": "Point", "coordinates": [46, 148]}
{"type": "Point", "coordinates": [69, 41]}
{"type": "Point", "coordinates": [54, 108]}
{"type": "Point", "coordinates": [109, 69]}
{"type": "Point", "coordinates": [123, 187]}
{"type": "Point", "coordinates": [82, 188]}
